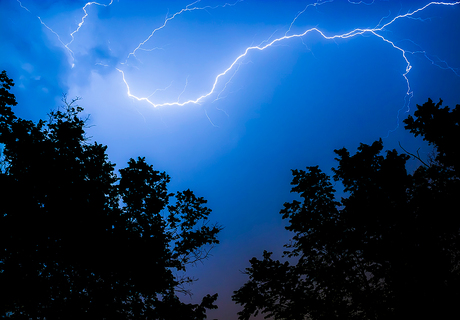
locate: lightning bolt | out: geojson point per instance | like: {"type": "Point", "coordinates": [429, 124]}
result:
{"type": "Point", "coordinates": [435, 60]}
{"type": "Point", "coordinates": [185, 87]}
{"type": "Point", "coordinates": [66, 45]}
{"type": "Point", "coordinates": [52, 31]}
{"type": "Point", "coordinates": [187, 8]}
{"type": "Point", "coordinates": [362, 2]}
{"type": "Point", "coordinates": [212, 123]}
{"type": "Point", "coordinates": [305, 9]}
{"type": "Point", "coordinates": [234, 66]}
{"type": "Point", "coordinates": [84, 17]}
{"type": "Point", "coordinates": [164, 89]}
{"type": "Point", "coordinates": [227, 83]}
{"type": "Point", "coordinates": [355, 32]}
{"type": "Point", "coordinates": [22, 6]}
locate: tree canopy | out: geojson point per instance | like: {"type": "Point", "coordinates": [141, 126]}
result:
{"type": "Point", "coordinates": [79, 241]}
{"type": "Point", "coordinates": [390, 248]}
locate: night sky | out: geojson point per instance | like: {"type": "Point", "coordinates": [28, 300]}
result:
{"type": "Point", "coordinates": [286, 103]}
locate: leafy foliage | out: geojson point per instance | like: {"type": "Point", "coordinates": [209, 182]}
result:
{"type": "Point", "coordinates": [77, 241]}
{"type": "Point", "coordinates": [441, 128]}
{"type": "Point", "coordinates": [389, 249]}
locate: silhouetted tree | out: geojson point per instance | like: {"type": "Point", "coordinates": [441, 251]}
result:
{"type": "Point", "coordinates": [79, 242]}
{"type": "Point", "coordinates": [389, 250]}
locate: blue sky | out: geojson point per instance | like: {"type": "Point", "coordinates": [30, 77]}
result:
{"type": "Point", "coordinates": [284, 107]}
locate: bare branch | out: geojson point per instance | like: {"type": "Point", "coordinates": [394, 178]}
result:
{"type": "Point", "coordinates": [414, 156]}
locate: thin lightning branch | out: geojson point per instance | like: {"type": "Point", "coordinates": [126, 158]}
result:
{"type": "Point", "coordinates": [152, 49]}
{"type": "Point", "coordinates": [420, 19]}
{"type": "Point", "coordinates": [141, 115]}
{"type": "Point", "coordinates": [266, 40]}
{"type": "Point", "coordinates": [186, 9]}
{"type": "Point", "coordinates": [306, 47]}
{"type": "Point", "coordinates": [210, 119]}
{"type": "Point", "coordinates": [52, 31]}
{"type": "Point", "coordinates": [355, 32]}
{"type": "Point", "coordinates": [227, 83]}
{"type": "Point", "coordinates": [185, 87]}
{"type": "Point", "coordinates": [362, 2]}
{"type": "Point", "coordinates": [55, 33]}
{"type": "Point", "coordinates": [66, 45]}
{"type": "Point", "coordinates": [84, 17]}
{"type": "Point", "coordinates": [383, 18]}
{"type": "Point", "coordinates": [59, 39]}
{"type": "Point", "coordinates": [301, 12]}
{"type": "Point", "coordinates": [409, 92]}
{"type": "Point", "coordinates": [225, 112]}
{"type": "Point", "coordinates": [445, 65]}
{"type": "Point", "coordinates": [23, 6]}
{"type": "Point", "coordinates": [164, 89]}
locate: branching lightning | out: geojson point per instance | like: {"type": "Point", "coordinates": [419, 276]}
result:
{"type": "Point", "coordinates": [302, 12]}
{"type": "Point", "coordinates": [435, 60]}
{"type": "Point", "coordinates": [232, 69]}
{"type": "Point", "coordinates": [164, 89]}
{"type": "Point", "coordinates": [188, 8]}
{"type": "Point", "coordinates": [66, 45]}
{"type": "Point", "coordinates": [185, 87]}
{"type": "Point", "coordinates": [52, 31]}
{"type": "Point", "coordinates": [355, 32]}
{"type": "Point", "coordinates": [227, 83]}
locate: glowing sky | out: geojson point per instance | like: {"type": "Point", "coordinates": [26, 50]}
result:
{"type": "Point", "coordinates": [148, 74]}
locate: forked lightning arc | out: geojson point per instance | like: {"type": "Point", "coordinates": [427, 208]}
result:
{"type": "Point", "coordinates": [356, 32]}
{"type": "Point", "coordinates": [235, 65]}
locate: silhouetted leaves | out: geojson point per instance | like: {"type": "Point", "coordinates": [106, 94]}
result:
{"type": "Point", "coordinates": [79, 242]}
{"type": "Point", "coordinates": [441, 128]}
{"type": "Point", "coordinates": [389, 249]}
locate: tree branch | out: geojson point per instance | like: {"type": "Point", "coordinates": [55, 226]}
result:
{"type": "Point", "coordinates": [413, 155]}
